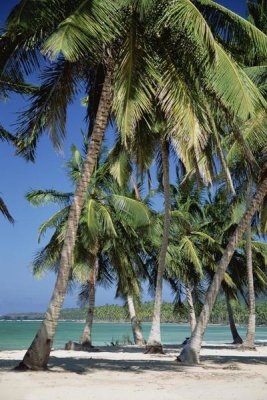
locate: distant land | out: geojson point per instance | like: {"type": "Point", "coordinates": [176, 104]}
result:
{"type": "Point", "coordinates": [169, 313]}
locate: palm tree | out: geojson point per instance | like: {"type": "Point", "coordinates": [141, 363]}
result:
{"type": "Point", "coordinates": [119, 44]}
{"type": "Point", "coordinates": [250, 337]}
{"type": "Point", "coordinates": [105, 208]}
{"type": "Point", "coordinates": [190, 353]}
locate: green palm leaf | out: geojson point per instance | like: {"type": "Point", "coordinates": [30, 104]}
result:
{"type": "Point", "coordinates": [54, 221]}
{"type": "Point", "coordinates": [41, 197]}
{"type": "Point", "coordinates": [185, 15]}
{"type": "Point", "coordinates": [87, 29]}
{"type": "Point", "coordinates": [134, 211]}
{"type": "Point", "coordinates": [234, 30]}
{"type": "Point", "coordinates": [190, 253]}
{"type": "Point", "coordinates": [106, 220]}
{"type": "Point", "coordinates": [233, 87]}
{"type": "Point", "coordinates": [48, 108]}
{"type": "Point", "coordinates": [254, 132]}
{"type": "Point", "coordinates": [133, 90]}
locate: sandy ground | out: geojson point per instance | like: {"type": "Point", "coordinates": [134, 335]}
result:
{"type": "Point", "coordinates": [125, 373]}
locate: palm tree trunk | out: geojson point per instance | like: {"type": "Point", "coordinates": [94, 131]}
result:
{"type": "Point", "coordinates": [154, 342]}
{"type": "Point", "coordinates": [137, 331]}
{"type": "Point", "coordinates": [86, 338]}
{"type": "Point", "coordinates": [190, 353]}
{"type": "Point", "coordinates": [37, 355]}
{"type": "Point", "coordinates": [192, 314]}
{"type": "Point", "coordinates": [250, 336]}
{"type": "Point", "coordinates": [225, 169]}
{"type": "Point", "coordinates": [236, 338]}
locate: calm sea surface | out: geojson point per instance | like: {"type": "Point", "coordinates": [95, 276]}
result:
{"type": "Point", "coordinates": [18, 335]}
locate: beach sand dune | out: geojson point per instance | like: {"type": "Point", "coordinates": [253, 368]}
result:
{"type": "Point", "coordinates": [126, 373]}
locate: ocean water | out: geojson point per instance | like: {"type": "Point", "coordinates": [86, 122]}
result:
{"type": "Point", "coordinates": [16, 335]}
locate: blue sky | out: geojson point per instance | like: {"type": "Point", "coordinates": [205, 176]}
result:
{"type": "Point", "coordinates": [19, 291]}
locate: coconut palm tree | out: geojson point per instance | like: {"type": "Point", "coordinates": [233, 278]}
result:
{"type": "Point", "coordinates": [107, 211]}
{"type": "Point", "coordinates": [190, 353]}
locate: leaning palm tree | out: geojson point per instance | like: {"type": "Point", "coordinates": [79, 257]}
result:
{"type": "Point", "coordinates": [105, 204]}
{"type": "Point", "coordinates": [190, 353]}
{"type": "Point", "coordinates": [122, 43]}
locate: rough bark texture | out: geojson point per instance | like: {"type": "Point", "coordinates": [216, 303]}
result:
{"type": "Point", "coordinates": [37, 355]}
{"type": "Point", "coordinates": [236, 338]}
{"type": "Point", "coordinates": [225, 169]}
{"type": "Point", "coordinates": [249, 342]}
{"type": "Point", "coordinates": [86, 338]}
{"type": "Point", "coordinates": [192, 314]}
{"type": "Point", "coordinates": [190, 353]}
{"type": "Point", "coordinates": [137, 331]}
{"type": "Point", "coordinates": [154, 342]}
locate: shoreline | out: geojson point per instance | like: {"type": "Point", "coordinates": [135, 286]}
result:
{"type": "Point", "coordinates": [126, 372]}
{"type": "Point", "coordinates": [126, 322]}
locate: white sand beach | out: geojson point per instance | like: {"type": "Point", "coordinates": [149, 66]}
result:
{"type": "Point", "coordinates": [126, 373]}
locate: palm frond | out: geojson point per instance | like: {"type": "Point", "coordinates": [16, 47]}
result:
{"type": "Point", "coordinates": [5, 135]}
{"type": "Point", "coordinates": [119, 164]}
{"type": "Point", "coordinates": [134, 211]}
{"type": "Point", "coordinates": [133, 90]}
{"type": "Point", "coordinates": [53, 222]}
{"type": "Point", "coordinates": [190, 252]}
{"type": "Point", "coordinates": [48, 108]}
{"type": "Point", "coordinates": [254, 133]}
{"type": "Point", "coordinates": [106, 221]}
{"type": "Point", "coordinates": [185, 15]}
{"type": "Point", "coordinates": [5, 212]}
{"type": "Point", "coordinates": [233, 87]}
{"type": "Point", "coordinates": [233, 30]}
{"type": "Point", "coordinates": [258, 75]}
{"type": "Point", "coordinates": [42, 197]}
{"type": "Point", "coordinates": [20, 42]}
{"type": "Point", "coordinates": [91, 25]}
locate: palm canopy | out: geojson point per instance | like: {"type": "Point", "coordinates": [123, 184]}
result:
{"type": "Point", "coordinates": [110, 215]}
{"type": "Point", "coordinates": [159, 54]}
{"type": "Point", "coordinates": [199, 234]}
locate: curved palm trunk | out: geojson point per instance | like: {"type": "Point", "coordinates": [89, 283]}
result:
{"type": "Point", "coordinates": [225, 169]}
{"type": "Point", "coordinates": [154, 342]}
{"type": "Point", "coordinates": [136, 327]}
{"type": "Point", "coordinates": [190, 353]}
{"type": "Point", "coordinates": [86, 338]}
{"type": "Point", "coordinates": [250, 336]}
{"type": "Point", "coordinates": [190, 302]}
{"type": "Point", "coordinates": [236, 338]}
{"type": "Point", "coordinates": [38, 353]}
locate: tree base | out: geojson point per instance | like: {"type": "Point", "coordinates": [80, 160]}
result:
{"type": "Point", "coordinates": [23, 368]}
{"type": "Point", "coordinates": [154, 349]}
{"type": "Point", "coordinates": [80, 346]}
{"type": "Point", "coordinates": [188, 355]}
{"type": "Point", "coordinates": [247, 346]}
{"type": "Point", "coordinates": [238, 340]}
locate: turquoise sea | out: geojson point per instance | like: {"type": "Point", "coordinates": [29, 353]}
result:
{"type": "Point", "coordinates": [19, 334]}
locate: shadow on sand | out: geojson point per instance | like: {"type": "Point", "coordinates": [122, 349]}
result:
{"type": "Point", "coordinates": [166, 362]}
